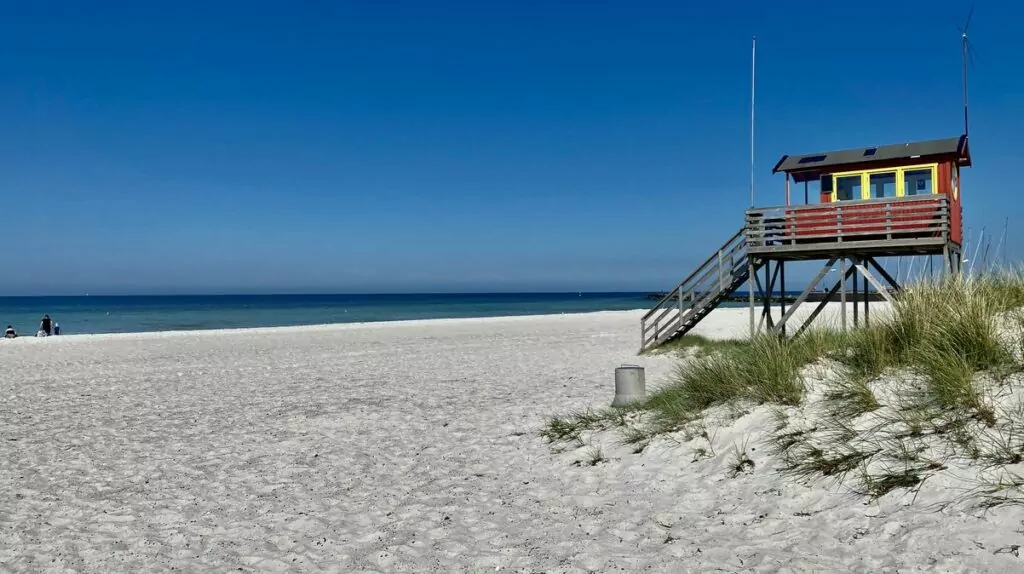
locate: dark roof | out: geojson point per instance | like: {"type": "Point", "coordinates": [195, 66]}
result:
{"type": "Point", "coordinates": [817, 161]}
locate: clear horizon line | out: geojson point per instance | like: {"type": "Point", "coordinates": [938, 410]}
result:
{"type": "Point", "coordinates": [324, 294]}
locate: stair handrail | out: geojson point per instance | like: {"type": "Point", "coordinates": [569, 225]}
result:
{"type": "Point", "coordinates": [709, 275]}
{"type": "Point", "coordinates": [737, 276]}
{"type": "Point", "coordinates": [699, 271]}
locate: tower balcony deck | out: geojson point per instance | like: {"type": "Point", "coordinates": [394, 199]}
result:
{"type": "Point", "coordinates": [914, 225]}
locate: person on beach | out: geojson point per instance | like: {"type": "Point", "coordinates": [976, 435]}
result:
{"type": "Point", "coordinates": [10, 333]}
{"type": "Point", "coordinates": [46, 325]}
{"type": "Point", "coordinates": [56, 328]}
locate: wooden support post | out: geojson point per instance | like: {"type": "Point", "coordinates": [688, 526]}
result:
{"type": "Point", "coordinates": [782, 293]}
{"type": "Point", "coordinates": [867, 294]}
{"type": "Point", "coordinates": [856, 300]}
{"type": "Point", "coordinates": [842, 292]}
{"type": "Point", "coordinates": [867, 300]}
{"type": "Point", "coordinates": [751, 276]}
{"type": "Point", "coordinates": [769, 285]}
{"type": "Point", "coordinates": [766, 313]}
{"type": "Point", "coordinates": [760, 291]}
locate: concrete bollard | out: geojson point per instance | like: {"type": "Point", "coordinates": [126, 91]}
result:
{"type": "Point", "coordinates": [630, 385]}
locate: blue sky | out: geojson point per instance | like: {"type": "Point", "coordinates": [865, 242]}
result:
{"type": "Point", "coordinates": [160, 147]}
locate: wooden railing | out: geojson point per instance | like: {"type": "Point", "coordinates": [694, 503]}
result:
{"type": "Point", "coordinates": [718, 274]}
{"type": "Point", "coordinates": [849, 222]}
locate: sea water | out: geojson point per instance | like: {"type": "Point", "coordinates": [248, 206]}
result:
{"type": "Point", "coordinates": [128, 314]}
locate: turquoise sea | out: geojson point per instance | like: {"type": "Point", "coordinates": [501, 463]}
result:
{"type": "Point", "coordinates": [128, 314]}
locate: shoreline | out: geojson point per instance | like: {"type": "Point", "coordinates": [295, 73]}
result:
{"type": "Point", "coordinates": [325, 327]}
{"type": "Point", "coordinates": [829, 316]}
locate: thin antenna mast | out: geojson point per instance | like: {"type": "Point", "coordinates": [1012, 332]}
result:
{"type": "Point", "coordinates": [963, 38]}
{"type": "Point", "coordinates": [968, 53]}
{"type": "Point", "coordinates": [753, 67]}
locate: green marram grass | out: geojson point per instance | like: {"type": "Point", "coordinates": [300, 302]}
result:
{"type": "Point", "coordinates": [943, 333]}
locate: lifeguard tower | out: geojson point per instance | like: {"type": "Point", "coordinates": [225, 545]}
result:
{"type": "Point", "coordinates": [879, 201]}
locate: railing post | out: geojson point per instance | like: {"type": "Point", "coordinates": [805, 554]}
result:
{"type": "Point", "coordinates": [680, 302]}
{"type": "Point", "coordinates": [888, 220]}
{"type": "Point", "coordinates": [947, 221]}
{"type": "Point", "coordinates": [721, 270]}
{"type": "Point", "coordinates": [839, 224]}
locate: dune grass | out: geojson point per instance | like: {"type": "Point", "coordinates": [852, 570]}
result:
{"type": "Point", "coordinates": [947, 332]}
{"type": "Point", "coordinates": [697, 345]}
{"type": "Point", "coordinates": [944, 336]}
{"type": "Point", "coordinates": [570, 427]}
{"type": "Point", "coordinates": [763, 370]}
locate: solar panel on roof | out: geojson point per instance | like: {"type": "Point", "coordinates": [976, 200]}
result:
{"type": "Point", "coordinates": [812, 159]}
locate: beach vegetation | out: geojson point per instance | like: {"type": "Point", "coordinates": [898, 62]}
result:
{"type": "Point", "coordinates": [742, 463]}
{"type": "Point", "coordinates": [896, 400]}
{"type": "Point", "coordinates": [696, 345]}
{"type": "Point", "coordinates": [592, 456]}
{"type": "Point", "coordinates": [570, 427]}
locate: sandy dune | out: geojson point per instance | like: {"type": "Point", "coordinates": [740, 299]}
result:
{"type": "Point", "coordinates": [406, 447]}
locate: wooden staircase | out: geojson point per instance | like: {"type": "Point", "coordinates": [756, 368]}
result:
{"type": "Point", "coordinates": [697, 295]}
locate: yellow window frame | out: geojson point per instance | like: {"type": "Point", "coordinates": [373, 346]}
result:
{"type": "Point", "coordinates": [865, 178]}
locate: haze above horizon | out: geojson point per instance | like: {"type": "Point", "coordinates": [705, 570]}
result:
{"type": "Point", "coordinates": [456, 147]}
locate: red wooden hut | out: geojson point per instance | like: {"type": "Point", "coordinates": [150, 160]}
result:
{"type": "Point", "coordinates": [875, 192]}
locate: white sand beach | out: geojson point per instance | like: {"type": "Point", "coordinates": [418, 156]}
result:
{"type": "Point", "coordinates": [412, 447]}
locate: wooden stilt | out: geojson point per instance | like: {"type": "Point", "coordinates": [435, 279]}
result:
{"type": "Point", "coordinates": [769, 280]}
{"type": "Point", "coordinates": [752, 275]}
{"type": "Point", "coordinates": [856, 301]}
{"type": "Point", "coordinates": [867, 300]}
{"type": "Point", "coordinates": [842, 294]}
{"type": "Point", "coordinates": [782, 294]}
